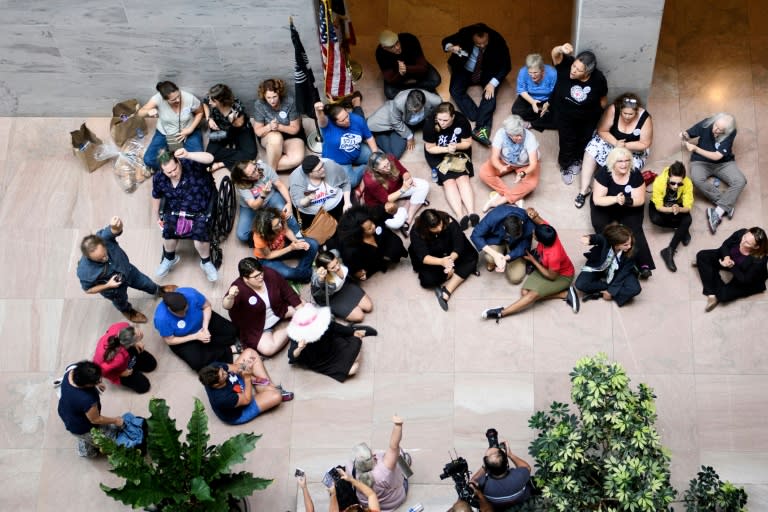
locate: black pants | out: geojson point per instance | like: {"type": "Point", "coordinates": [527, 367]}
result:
{"type": "Point", "coordinates": [428, 83]}
{"type": "Point", "coordinates": [240, 144]}
{"type": "Point", "coordinates": [623, 287]}
{"type": "Point", "coordinates": [708, 264]}
{"type": "Point", "coordinates": [482, 114]}
{"type": "Point", "coordinates": [573, 135]}
{"type": "Point", "coordinates": [198, 354]}
{"type": "Point", "coordinates": [145, 363]}
{"type": "Point", "coordinates": [681, 222]}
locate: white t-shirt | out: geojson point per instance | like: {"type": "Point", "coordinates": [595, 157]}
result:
{"type": "Point", "coordinates": [170, 122]}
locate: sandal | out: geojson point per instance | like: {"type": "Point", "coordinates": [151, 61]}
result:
{"type": "Point", "coordinates": [426, 203]}
{"type": "Point", "coordinates": [405, 228]}
{"type": "Point", "coordinates": [439, 292]}
{"type": "Point", "coordinates": [582, 198]}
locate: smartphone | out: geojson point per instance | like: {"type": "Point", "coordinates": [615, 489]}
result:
{"type": "Point", "coordinates": [299, 472]}
{"type": "Point", "coordinates": [328, 478]}
{"type": "Point", "coordinates": [503, 447]}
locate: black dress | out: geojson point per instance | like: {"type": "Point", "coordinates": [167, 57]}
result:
{"type": "Point", "coordinates": [359, 255]}
{"type": "Point", "coordinates": [332, 355]}
{"type": "Point", "coordinates": [451, 239]}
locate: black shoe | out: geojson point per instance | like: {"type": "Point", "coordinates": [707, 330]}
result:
{"type": "Point", "coordinates": [369, 331]}
{"type": "Point", "coordinates": [645, 273]}
{"type": "Point", "coordinates": [668, 255]}
{"type": "Point", "coordinates": [481, 134]}
{"type": "Point", "coordinates": [474, 219]}
{"type": "Point", "coordinates": [464, 223]}
{"type": "Point", "coordinates": [572, 299]}
{"type": "Point", "coordinates": [439, 292]}
{"type": "Point", "coordinates": [591, 296]}
{"type": "Point", "coordinates": [492, 313]}
{"type": "Point", "coordinates": [686, 239]}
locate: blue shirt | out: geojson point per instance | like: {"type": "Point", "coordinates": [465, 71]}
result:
{"type": "Point", "coordinates": [168, 324]}
{"type": "Point", "coordinates": [92, 272]}
{"type": "Point", "coordinates": [540, 91]}
{"type": "Point", "coordinates": [342, 145]}
{"type": "Point", "coordinates": [490, 231]}
{"type": "Point", "coordinates": [224, 400]}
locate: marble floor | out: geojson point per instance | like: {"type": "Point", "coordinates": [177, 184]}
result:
{"type": "Point", "coordinates": [449, 375]}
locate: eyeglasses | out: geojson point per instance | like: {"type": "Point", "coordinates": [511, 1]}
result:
{"type": "Point", "coordinates": [674, 183]}
{"type": "Point", "coordinates": [630, 102]}
{"type": "Point", "coordinates": [256, 275]}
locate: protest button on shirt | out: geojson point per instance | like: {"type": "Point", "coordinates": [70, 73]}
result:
{"type": "Point", "coordinates": [343, 144]}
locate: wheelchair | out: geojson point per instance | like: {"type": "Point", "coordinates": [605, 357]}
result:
{"type": "Point", "coordinates": [219, 219]}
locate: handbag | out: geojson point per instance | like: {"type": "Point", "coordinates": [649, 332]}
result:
{"type": "Point", "coordinates": [454, 162]}
{"type": "Point", "coordinates": [322, 228]}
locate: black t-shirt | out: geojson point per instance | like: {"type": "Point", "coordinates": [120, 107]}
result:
{"type": "Point", "coordinates": [574, 99]}
{"type": "Point", "coordinates": [605, 178]}
{"type": "Point", "coordinates": [458, 130]}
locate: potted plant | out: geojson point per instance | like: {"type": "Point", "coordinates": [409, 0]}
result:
{"type": "Point", "coordinates": [707, 493]}
{"type": "Point", "coordinates": [609, 456]}
{"type": "Point", "coordinates": [182, 476]}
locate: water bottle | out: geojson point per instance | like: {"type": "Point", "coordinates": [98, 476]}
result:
{"type": "Point", "coordinates": [139, 133]}
{"type": "Point", "coordinates": [416, 508]}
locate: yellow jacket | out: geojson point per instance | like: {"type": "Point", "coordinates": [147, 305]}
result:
{"type": "Point", "coordinates": [660, 190]}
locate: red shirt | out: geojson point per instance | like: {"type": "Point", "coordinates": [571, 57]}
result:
{"type": "Point", "coordinates": [112, 369]}
{"type": "Point", "coordinates": [374, 193]}
{"type": "Point", "coordinates": [555, 258]}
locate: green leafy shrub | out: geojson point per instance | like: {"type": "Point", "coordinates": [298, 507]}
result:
{"type": "Point", "coordinates": [707, 493]}
{"type": "Point", "coordinates": [181, 476]}
{"type": "Point", "coordinates": [608, 457]}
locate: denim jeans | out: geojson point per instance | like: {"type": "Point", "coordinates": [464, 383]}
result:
{"type": "Point", "coordinates": [193, 143]}
{"type": "Point", "coordinates": [356, 169]}
{"type": "Point", "coordinates": [301, 272]}
{"type": "Point", "coordinates": [135, 279]}
{"type": "Point", "coordinates": [245, 218]}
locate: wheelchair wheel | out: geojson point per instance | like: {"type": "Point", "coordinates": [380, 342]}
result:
{"type": "Point", "coordinates": [225, 209]}
{"type": "Point", "coordinates": [216, 254]}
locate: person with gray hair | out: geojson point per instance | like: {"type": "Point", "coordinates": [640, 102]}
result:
{"type": "Point", "coordinates": [578, 101]}
{"type": "Point", "coordinates": [380, 471]}
{"type": "Point", "coordinates": [393, 123]}
{"type": "Point", "coordinates": [120, 354]}
{"type": "Point", "coordinates": [535, 83]}
{"type": "Point", "coordinates": [713, 157]}
{"type": "Point", "coordinates": [514, 150]}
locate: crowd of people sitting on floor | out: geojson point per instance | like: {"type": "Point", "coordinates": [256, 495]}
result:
{"type": "Point", "coordinates": [374, 212]}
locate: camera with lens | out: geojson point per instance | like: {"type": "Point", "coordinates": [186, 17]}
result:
{"type": "Point", "coordinates": [217, 135]}
{"type": "Point", "coordinates": [458, 471]}
{"type": "Point", "coordinates": [493, 440]}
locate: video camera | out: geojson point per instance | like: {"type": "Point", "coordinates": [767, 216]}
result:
{"type": "Point", "coordinates": [458, 470]}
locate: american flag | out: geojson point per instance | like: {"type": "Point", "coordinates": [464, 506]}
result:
{"type": "Point", "coordinates": [338, 78]}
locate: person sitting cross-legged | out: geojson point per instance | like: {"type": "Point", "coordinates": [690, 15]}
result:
{"type": "Point", "coordinates": [241, 391]}
{"type": "Point", "coordinates": [552, 273]}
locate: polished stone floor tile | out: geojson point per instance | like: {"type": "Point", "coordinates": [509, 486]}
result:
{"type": "Point", "coordinates": [450, 375]}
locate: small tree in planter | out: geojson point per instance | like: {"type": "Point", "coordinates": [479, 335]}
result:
{"type": "Point", "coordinates": [181, 476]}
{"type": "Point", "coordinates": [609, 457]}
{"type": "Point", "coordinates": [707, 493]}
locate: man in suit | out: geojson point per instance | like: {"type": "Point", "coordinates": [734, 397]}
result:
{"type": "Point", "coordinates": [479, 56]}
{"type": "Point", "coordinates": [403, 65]}
{"type": "Point", "coordinates": [393, 123]}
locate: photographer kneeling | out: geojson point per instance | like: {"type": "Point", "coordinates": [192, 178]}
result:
{"type": "Point", "coordinates": [503, 486]}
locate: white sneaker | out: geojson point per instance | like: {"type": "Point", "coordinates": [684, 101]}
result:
{"type": "Point", "coordinates": [166, 265]}
{"type": "Point", "coordinates": [210, 271]}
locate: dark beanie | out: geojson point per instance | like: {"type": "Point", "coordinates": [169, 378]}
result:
{"type": "Point", "coordinates": [309, 163]}
{"type": "Point", "coordinates": [175, 301]}
{"type": "Point", "coordinates": [545, 234]}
